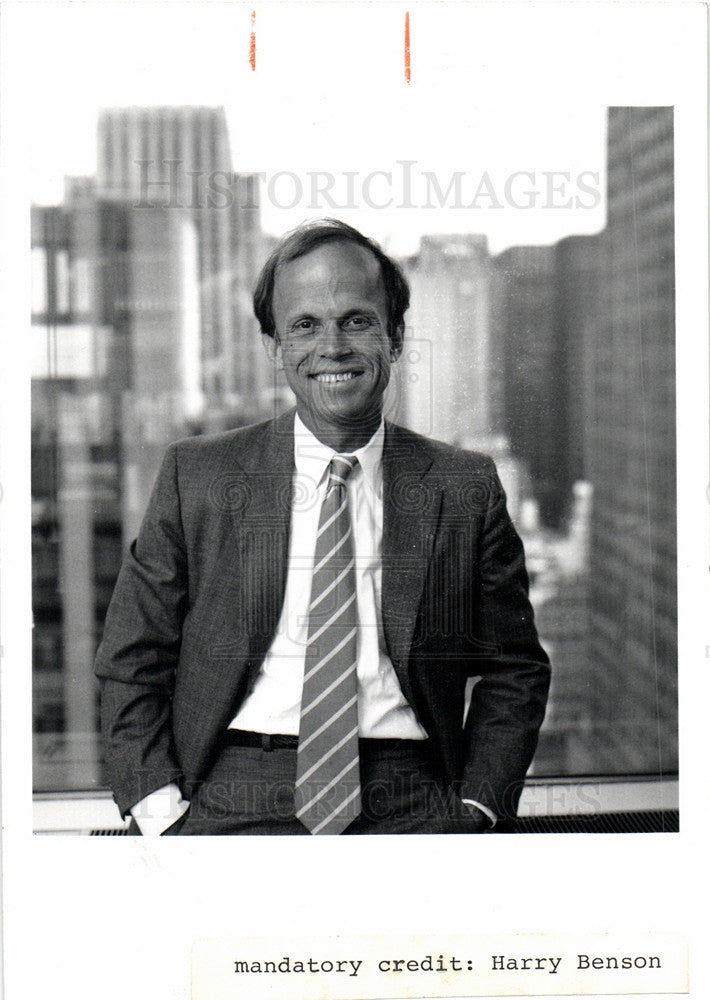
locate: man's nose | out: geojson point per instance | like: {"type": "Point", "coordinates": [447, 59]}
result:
{"type": "Point", "coordinates": [332, 338]}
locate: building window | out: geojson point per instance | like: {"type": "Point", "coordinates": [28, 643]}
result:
{"type": "Point", "coordinates": [570, 390]}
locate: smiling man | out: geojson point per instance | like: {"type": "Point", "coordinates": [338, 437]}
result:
{"type": "Point", "coordinates": [292, 635]}
{"type": "Point", "coordinates": [330, 334]}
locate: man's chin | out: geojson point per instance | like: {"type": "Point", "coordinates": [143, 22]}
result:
{"type": "Point", "coordinates": [345, 419]}
{"type": "Point", "coordinates": [351, 416]}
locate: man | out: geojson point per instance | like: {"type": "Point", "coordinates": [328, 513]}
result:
{"type": "Point", "coordinates": [291, 636]}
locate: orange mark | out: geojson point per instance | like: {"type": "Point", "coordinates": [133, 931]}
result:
{"type": "Point", "coordinates": [407, 62]}
{"type": "Point", "coordinates": [252, 41]}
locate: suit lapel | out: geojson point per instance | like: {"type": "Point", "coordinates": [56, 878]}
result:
{"type": "Point", "coordinates": [262, 528]}
{"type": "Point", "coordinates": [255, 488]}
{"type": "Point", "coordinates": [410, 516]}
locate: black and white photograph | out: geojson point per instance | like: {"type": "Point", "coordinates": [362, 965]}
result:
{"type": "Point", "coordinates": [554, 360]}
{"type": "Point", "coordinates": [354, 482]}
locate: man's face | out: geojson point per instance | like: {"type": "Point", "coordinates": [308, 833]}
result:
{"type": "Point", "coordinates": [330, 311]}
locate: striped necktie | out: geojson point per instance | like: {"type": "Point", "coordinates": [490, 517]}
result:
{"type": "Point", "coordinates": [328, 766]}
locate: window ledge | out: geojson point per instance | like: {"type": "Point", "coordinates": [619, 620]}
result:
{"type": "Point", "coordinates": [548, 805]}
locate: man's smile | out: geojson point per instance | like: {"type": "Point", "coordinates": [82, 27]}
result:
{"type": "Point", "coordinates": [332, 377]}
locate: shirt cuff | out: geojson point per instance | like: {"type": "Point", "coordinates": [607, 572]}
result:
{"type": "Point", "coordinates": [484, 809]}
{"type": "Point", "coordinates": [159, 810]}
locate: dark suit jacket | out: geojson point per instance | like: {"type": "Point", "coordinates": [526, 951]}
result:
{"type": "Point", "coordinates": [200, 593]}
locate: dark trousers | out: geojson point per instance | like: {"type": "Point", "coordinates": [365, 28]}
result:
{"type": "Point", "coordinates": [250, 790]}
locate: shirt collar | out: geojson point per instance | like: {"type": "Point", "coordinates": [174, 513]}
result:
{"type": "Point", "coordinates": [312, 457]}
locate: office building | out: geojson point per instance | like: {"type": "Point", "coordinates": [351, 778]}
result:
{"type": "Point", "coordinates": [578, 292]}
{"type": "Point", "coordinates": [527, 335]}
{"type": "Point", "coordinates": [630, 454]}
{"type": "Point", "coordinates": [179, 158]}
{"type": "Point", "coordinates": [115, 377]}
{"type": "Point", "coordinates": [450, 377]}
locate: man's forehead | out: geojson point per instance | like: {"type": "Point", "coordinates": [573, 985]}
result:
{"type": "Point", "coordinates": [330, 269]}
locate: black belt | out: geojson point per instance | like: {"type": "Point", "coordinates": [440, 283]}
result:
{"type": "Point", "coordinates": [278, 741]}
{"type": "Point", "coordinates": [265, 741]}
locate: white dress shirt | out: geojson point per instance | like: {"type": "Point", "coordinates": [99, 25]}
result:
{"type": "Point", "coordinates": [274, 704]}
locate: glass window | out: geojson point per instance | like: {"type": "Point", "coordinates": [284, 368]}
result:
{"type": "Point", "coordinates": [39, 281]}
{"type": "Point", "coordinates": [553, 364]}
{"type": "Point", "coordinates": [61, 277]}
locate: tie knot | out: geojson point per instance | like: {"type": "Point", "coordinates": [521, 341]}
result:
{"type": "Point", "coordinates": [340, 468]}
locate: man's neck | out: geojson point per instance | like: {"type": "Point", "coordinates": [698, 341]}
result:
{"type": "Point", "coordinates": [344, 440]}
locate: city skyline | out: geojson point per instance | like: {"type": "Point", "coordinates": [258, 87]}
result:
{"type": "Point", "coordinates": [402, 199]}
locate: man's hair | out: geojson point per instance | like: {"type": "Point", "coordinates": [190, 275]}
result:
{"type": "Point", "coordinates": [311, 235]}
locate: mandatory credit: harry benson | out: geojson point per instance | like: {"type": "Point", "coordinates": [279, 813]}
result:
{"type": "Point", "coordinates": [550, 964]}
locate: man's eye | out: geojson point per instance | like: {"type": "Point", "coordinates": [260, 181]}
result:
{"type": "Point", "coordinates": [303, 326]}
{"type": "Point", "coordinates": [357, 323]}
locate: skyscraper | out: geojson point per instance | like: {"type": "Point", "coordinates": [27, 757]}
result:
{"type": "Point", "coordinates": [452, 369]}
{"type": "Point", "coordinates": [142, 333]}
{"type": "Point", "coordinates": [527, 333]}
{"type": "Point", "coordinates": [115, 377]}
{"type": "Point", "coordinates": [179, 158]}
{"type": "Point", "coordinates": [579, 291]}
{"type": "Point", "coordinates": [630, 453]}
{"type": "Point", "coordinates": [457, 398]}
{"type": "Point", "coordinates": [588, 331]}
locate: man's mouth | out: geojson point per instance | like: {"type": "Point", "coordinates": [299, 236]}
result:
{"type": "Point", "coordinates": [330, 377]}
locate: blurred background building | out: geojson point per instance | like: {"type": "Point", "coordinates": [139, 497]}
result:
{"type": "Point", "coordinates": [629, 449]}
{"type": "Point", "coordinates": [142, 333]}
{"type": "Point", "coordinates": [528, 338]}
{"type": "Point", "coordinates": [178, 159]}
{"type": "Point", "coordinates": [456, 390]}
{"type": "Point", "coordinates": [557, 360]}
{"type": "Point", "coordinates": [594, 320]}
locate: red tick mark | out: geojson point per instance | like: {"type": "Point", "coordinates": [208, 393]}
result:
{"type": "Point", "coordinates": [407, 64]}
{"type": "Point", "coordinates": [252, 41]}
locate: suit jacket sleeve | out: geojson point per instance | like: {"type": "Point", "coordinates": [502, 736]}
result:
{"type": "Point", "coordinates": [138, 655]}
{"type": "Point", "coordinates": [508, 702]}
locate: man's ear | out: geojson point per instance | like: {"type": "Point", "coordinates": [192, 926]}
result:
{"type": "Point", "coordinates": [397, 343]}
{"type": "Point", "coordinates": [273, 350]}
